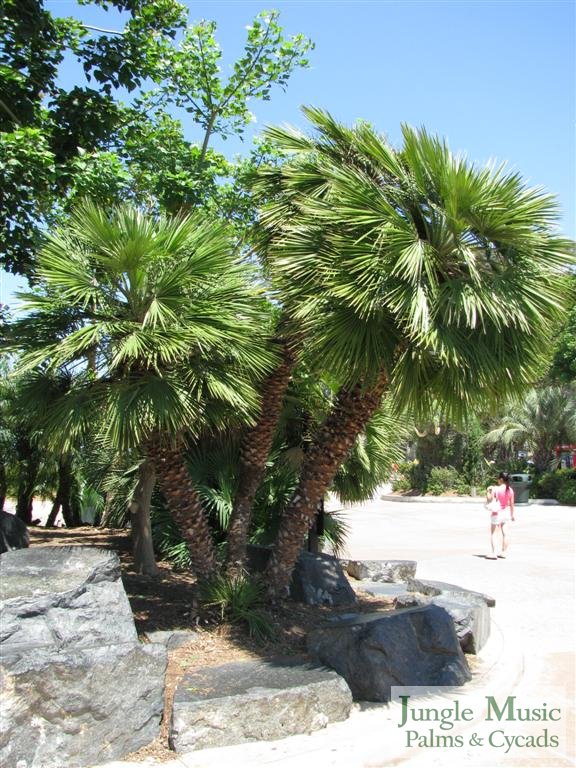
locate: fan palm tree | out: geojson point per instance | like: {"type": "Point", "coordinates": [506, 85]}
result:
{"type": "Point", "coordinates": [544, 419]}
{"type": "Point", "coordinates": [164, 314]}
{"type": "Point", "coordinates": [410, 271]}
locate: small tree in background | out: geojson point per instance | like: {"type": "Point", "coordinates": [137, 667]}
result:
{"type": "Point", "coordinates": [543, 420]}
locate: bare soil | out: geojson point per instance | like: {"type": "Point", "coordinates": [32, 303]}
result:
{"type": "Point", "coordinates": [170, 601]}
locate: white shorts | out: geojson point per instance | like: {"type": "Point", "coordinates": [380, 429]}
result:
{"type": "Point", "coordinates": [497, 518]}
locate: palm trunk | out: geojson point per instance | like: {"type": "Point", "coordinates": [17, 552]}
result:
{"type": "Point", "coordinates": [142, 546]}
{"type": "Point", "coordinates": [51, 520]}
{"type": "Point", "coordinates": [185, 507]}
{"type": "Point", "coordinates": [352, 411]}
{"type": "Point", "coordinates": [70, 511]}
{"type": "Point", "coordinates": [26, 487]}
{"type": "Point", "coordinates": [3, 484]}
{"type": "Point", "coordinates": [28, 464]}
{"type": "Point", "coordinates": [254, 452]}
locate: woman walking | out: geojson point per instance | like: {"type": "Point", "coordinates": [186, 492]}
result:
{"type": "Point", "coordinates": [501, 505]}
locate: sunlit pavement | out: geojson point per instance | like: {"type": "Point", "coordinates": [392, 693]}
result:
{"type": "Point", "coordinates": [532, 644]}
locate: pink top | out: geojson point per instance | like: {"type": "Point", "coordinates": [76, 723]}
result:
{"type": "Point", "coordinates": [503, 494]}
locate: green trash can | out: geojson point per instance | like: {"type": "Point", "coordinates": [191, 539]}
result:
{"type": "Point", "coordinates": [521, 485]}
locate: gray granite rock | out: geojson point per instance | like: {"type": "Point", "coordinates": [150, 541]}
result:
{"type": "Point", "coordinates": [63, 597]}
{"type": "Point", "coordinates": [427, 587]}
{"type": "Point", "coordinates": [376, 651]}
{"type": "Point", "coordinates": [382, 570]}
{"type": "Point", "coordinates": [78, 708]}
{"type": "Point", "coordinates": [254, 701]}
{"type": "Point", "coordinates": [78, 686]}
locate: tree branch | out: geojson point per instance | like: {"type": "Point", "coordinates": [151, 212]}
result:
{"type": "Point", "coordinates": [105, 31]}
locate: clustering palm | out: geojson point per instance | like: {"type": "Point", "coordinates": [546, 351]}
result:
{"type": "Point", "coordinates": [544, 419]}
{"type": "Point", "coordinates": [410, 271]}
{"type": "Point", "coordinates": [172, 332]}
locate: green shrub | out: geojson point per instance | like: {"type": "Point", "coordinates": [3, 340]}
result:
{"type": "Point", "coordinates": [442, 479]}
{"type": "Point", "coordinates": [336, 531]}
{"type": "Point", "coordinates": [418, 477]}
{"type": "Point", "coordinates": [166, 537]}
{"type": "Point", "coordinates": [463, 487]}
{"type": "Point", "coordinates": [401, 483]}
{"type": "Point", "coordinates": [239, 599]}
{"type": "Point", "coordinates": [567, 493]}
{"type": "Point", "coordinates": [549, 484]}
{"type": "Point", "coordinates": [435, 489]}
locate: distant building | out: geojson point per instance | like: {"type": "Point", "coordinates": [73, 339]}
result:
{"type": "Point", "coordinates": [566, 455]}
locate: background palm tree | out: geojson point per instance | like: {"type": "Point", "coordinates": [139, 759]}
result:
{"type": "Point", "coordinates": [543, 420]}
{"type": "Point", "coordinates": [166, 317]}
{"type": "Point", "coordinates": [411, 271]}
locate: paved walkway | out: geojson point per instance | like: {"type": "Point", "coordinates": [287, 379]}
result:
{"type": "Point", "coordinates": [532, 645]}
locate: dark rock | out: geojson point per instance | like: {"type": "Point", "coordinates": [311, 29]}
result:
{"type": "Point", "coordinates": [254, 701]}
{"type": "Point", "coordinates": [317, 579]}
{"type": "Point", "coordinates": [13, 533]}
{"type": "Point", "coordinates": [382, 570]}
{"type": "Point", "coordinates": [79, 688]}
{"type": "Point", "coordinates": [377, 651]}
{"type": "Point", "coordinates": [448, 590]}
{"type": "Point", "coordinates": [320, 580]}
{"type": "Point", "coordinates": [257, 557]}
{"type": "Point", "coordinates": [471, 617]}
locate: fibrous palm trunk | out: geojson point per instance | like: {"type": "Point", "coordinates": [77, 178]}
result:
{"type": "Point", "coordinates": [3, 484]}
{"type": "Point", "coordinates": [353, 409]}
{"type": "Point", "coordinates": [254, 451]}
{"type": "Point", "coordinates": [185, 507]}
{"type": "Point", "coordinates": [51, 520]}
{"type": "Point", "coordinates": [68, 488]}
{"type": "Point", "coordinates": [28, 464]}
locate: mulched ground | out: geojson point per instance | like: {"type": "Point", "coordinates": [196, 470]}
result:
{"type": "Point", "coordinates": [170, 602]}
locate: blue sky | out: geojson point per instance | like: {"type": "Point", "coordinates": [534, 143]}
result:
{"type": "Point", "coordinates": [496, 78]}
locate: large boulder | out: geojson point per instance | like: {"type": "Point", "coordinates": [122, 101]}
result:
{"type": "Point", "coordinates": [254, 701]}
{"type": "Point", "coordinates": [317, 579]}
{"type": "Point", "coordinates": [13, 533]}
{"type": "Point", "coordinates": [63, 597]}
{"type": "Point", "coordinates": [470, 614]}
{"type": "Point", "coordinates": [377, 651]}
{"type": "Point", "coordinates": [78, 687]}
{"type": "Point", "coordinates": [382, 570]}
{"type": "Point", "coordinates": [80, 707]}
{"type": "Point", "coordinates": [320, 580]}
